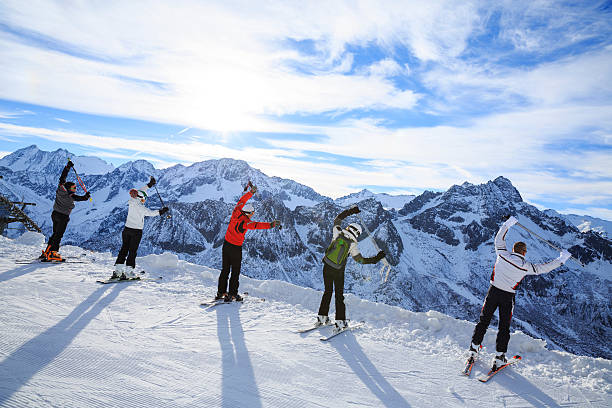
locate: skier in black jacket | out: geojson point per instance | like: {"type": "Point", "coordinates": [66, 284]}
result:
{"type": "Point", "coordinates": [344, 242]}
{"type": "Point", "coordinates": [64, 203]}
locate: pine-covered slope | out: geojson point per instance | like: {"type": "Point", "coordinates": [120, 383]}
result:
{"type": "Point", "coordinates": [439, 243]}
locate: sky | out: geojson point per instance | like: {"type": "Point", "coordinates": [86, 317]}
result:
{"type": "Point", "coordinates": [393, 96]}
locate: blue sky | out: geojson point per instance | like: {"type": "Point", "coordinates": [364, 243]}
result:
{"type": "Point", "coordinates": [395, 96]}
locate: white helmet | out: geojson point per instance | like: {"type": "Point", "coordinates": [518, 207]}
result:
{"type": "Point", "coordinates": [354, 229]}
{"type": "Point", "coordinates": [248, 208]}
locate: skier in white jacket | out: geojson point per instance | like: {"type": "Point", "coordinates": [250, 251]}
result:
{"type": "Point", "coordinates": [132, 233]}
{"type": "Point", "coordinates": [510, 269]}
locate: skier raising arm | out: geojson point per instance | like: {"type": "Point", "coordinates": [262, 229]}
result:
{"type": "Point", "coordinates": [65, 196]}
{"type": "Point", "coordinates": [509, 270]}
{"type": "Point", "coordinates": [132, 232]}
{"type": "Point", "coordinates": [344, 242]}
{"type": "Point", "coordinates": [239, 224]}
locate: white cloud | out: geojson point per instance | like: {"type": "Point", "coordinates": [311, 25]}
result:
{"type": "Point", "coordinates": [62, 120]}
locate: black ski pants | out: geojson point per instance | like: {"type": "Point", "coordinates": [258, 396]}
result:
{"type": "Point", "coordinates": [129, 248]}
{"type": "Point", "coordinates": [60, 222]}
{"type": "Point", "coordinates": [333, 278]}
{"type": "Point", "coordinates": [231, 259]}
{"type": "Point", "coordinates": [496, 298]}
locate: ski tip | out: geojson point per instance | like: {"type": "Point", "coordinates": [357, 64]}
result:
{"type": "Point", "coordinates": [518, 357]}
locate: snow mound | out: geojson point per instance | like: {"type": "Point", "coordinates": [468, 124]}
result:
{"type": "Point", "coordinates": [31, 238]}
{"type": "Point", "coordinates": [163, 262]}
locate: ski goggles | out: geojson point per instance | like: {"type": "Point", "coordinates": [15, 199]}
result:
{"type": "Point", "coordinates": [142, 195]}
{"type": "Point", "coordinates": [353, 230]}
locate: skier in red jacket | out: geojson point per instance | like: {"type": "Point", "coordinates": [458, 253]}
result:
{"type": "Point", "coordinates": [239, 224]}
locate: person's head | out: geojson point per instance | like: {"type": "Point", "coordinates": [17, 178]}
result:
{"type": "Point", "coordinates": [70, 186]}
{"type": "Point", "coordinates": [520, 248]}
{"type": "Point", "coordinates": [141, 195]}
{"type": "Point", "coordinates": [248, 210]}
{"type": "Point", "coordinates": [354, 229]}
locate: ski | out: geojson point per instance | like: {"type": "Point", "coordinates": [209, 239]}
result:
{"type": "Point", "coordinates": [47, 262]}
{"type": "Point", "coordinates": [490, 374]}
{"type": "Point", "coordinates": [335, 333]}
{"type": "Point", "coordinates": [314, 327]}
{"type": "Point", "coordinates": [105, 282]}
{"type": "Point", "coordinates": [211, 302]}
{"type": "Point", "coordinates": [468, 366]}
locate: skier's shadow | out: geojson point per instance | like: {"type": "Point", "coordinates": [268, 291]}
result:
{"type": "Point", "coordinates": [238, 378]}
{"type": "Point", "coordinates": [22, 270]}
{"type": "Point", "coordinates": [530, 393]}
{"type": "Point", "coordinates": [40, 351]}
{"type": "Point", "coordinates": [361, 365]}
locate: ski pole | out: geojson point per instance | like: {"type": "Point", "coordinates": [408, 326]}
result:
{"type": "Point", "coordinates": [386, 265]}
{"type": "Point", "coordinates": [80, 181]}
{"type": "Point", "coordinates": [161, 201]}
{"type": "Point", "coordinates": [551, 245]}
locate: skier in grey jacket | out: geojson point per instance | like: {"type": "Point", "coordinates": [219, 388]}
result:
{"type": "Point", "coordinates": [509, 270]}
{"type": "Point", "coordinates": [65, 196]}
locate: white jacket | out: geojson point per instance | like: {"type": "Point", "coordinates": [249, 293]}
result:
{"type": "Point", "coordinates": [510, 267]}
{"type": "Point", "coordinates": [137, 211]}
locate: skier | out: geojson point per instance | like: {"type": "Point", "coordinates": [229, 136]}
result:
{"type": "Point", "coordinates": [65, 196]}
{"type": "Point", "coordinates": [509, 270]}
{"type": "Point", "coordinates": [344, 242]}
{"type": "Point", "coordinates": [132, 232]}
{"type": "Point", "coordinates": [239, 224]}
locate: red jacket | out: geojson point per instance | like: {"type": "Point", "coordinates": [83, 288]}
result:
{"type": "Point", "coordinates": [240, 223]}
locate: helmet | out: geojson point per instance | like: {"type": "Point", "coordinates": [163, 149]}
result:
{"type": "Point", "coordinates": [248, 208]}
{"type": "Point", "coordinates": [354, 229]}
{"type": "Point", "coordinates": [69, 185]}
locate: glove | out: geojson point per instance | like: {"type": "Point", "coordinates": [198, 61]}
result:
{"type": "Point", "coordinates": [163, 210]}
{"type": "Point", "coordinates": [380, 255]}
{"type": "Point", "coordinates": [354, 210]}
{"type": "Point", "coordinates": [253, 188]}
{"type": "Point", "coordinates": [276, 223]}
{"type": "Point", "coordinates": [564, 256]}
{"type": "Point", "coordinates": [87, 195]}
{"type": "Point", "coordinates": [510, 221]}
{"type": "Point", "coordinates": [151, 182]}
{"type": "Point", "coordinates": [70, 164]}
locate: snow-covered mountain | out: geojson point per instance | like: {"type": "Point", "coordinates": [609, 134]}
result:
{"type": "Point", "coordinates": [586, 223]}
{"type": "Point", "coordinates": [68, 341]}
{"type": "Point", "coordinates": [388, 201]}
{"type": "Point", "coordinates": [33, 159]}
{"type": "Point", "coordinates": [439, 243]}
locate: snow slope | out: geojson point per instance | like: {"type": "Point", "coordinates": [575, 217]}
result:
{"type": "Point", "coordinates": [68, 341]}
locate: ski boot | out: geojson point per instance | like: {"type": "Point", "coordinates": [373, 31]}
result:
{"type": "Point", "coordinates": [474, 349]}
{"type": "Point", "coordinates": [340, 325]}
{"type": "Point", "coordinates": [499, 361]}
{"type": "Point", "coordinates": [232, 298]}
{"type": "Point", "coordinates": [43, 256]}
{"type": "Point", "coordinates": [53, 256]}
{"type": "Point", "coordinates": [322, 320]}
{"type": "Point", "coordinates": [220, 296]}
{"type": "Point", "coordinates": [128, 273]}
{"type": "Point", "coordinates": [119, 268]}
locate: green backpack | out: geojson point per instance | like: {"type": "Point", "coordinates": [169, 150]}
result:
{"type": "Point", "coordinates": [337, 252]}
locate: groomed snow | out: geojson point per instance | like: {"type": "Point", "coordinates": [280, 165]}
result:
{"type": "Point", "coordinates": [68, 341]}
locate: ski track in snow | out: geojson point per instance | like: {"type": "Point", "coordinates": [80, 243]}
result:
{"type": "Point", "coordinates": [68, 341]}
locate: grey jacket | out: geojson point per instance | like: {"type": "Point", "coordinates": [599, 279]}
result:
{"type": "Point", "coordinates": [64, 199]}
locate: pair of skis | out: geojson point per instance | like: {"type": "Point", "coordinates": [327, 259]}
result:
{"type": "Point", "coordinates": [38, 260]}
{"type": "Point", "coordinates": [334, 333]}
{"type": "Point", "coordinates": [470, 363]}
{"type": "Point", "coordinates": [138, 278]}
{"type": "Point", "coordinates": [216, 302]}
